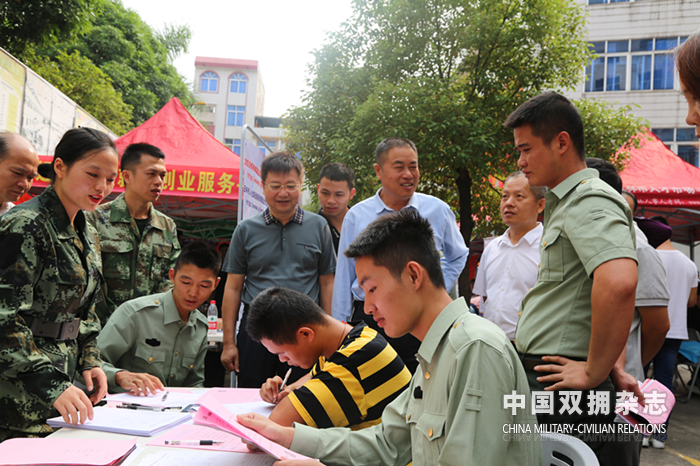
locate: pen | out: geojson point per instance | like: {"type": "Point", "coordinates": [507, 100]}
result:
{"type": "Point", "coordinates": [193, 442]}
{"type": "Point", "coordinates": [284, 382]}
{"type": "Point", "coordinates": [145, 408]}
{"type": "Point", "coordinates": [165, 396]}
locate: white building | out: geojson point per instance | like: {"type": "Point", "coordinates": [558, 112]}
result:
{"type": "Point", "coordinates": [634, 42]}
{"type": "Point", "coordinates": [232, 94]}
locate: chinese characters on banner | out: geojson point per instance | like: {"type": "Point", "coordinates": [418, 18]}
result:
{"type": "Point", "coordinates": [253, 200]}
{"type": "Point", "coordinates": [219, 183]}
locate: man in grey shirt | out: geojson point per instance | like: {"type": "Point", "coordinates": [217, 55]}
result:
{"type": "Point", "coordinates": [282, 246]}
{"type": "Point", "coordinates": [649, 324]}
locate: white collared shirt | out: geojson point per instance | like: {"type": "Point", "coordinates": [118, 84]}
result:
{"type": "Point", "coordinates": [506, 273]}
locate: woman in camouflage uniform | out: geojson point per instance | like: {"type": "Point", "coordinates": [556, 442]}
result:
{"type": "Point", "coordinates": [49, 279]}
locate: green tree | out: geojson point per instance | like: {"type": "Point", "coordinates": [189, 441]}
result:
{"type": "Point", "coordinates": [85, 83]}
{"type": "Point", "coordinates": [136, 58]}
{"type": "Point", "coordinates": [41, 22]}
{"type": "Point", "coordinates": [446, 74]}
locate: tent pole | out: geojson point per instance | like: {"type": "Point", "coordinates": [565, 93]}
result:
{"type": "Point", "coordinates": [692, 245]}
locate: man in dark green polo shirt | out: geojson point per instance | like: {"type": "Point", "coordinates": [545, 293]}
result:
{"type": "Point", "coordinates": [575, 321]}
{"type": "Point", "coordinates": [281, 246]}
{"type": "Point", "coordinates": [139, 244]}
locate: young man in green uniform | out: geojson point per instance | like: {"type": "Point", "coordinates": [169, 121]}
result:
{"type": "Point", "coordinates": [453, 411]}
{"type": "Point", "coordinates": [354, 373]}
{"type": "Point", "coordinates": [161, 340]}
{"type": "Point", "coordinates": [575, 321]}
{"type": "Point", "coordinates": [139, 244]}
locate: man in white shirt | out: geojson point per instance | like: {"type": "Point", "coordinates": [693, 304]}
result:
{"type": "Point", "coordinates": [682, 277]}
{"type": "Point", "coordinates": [509, 264]}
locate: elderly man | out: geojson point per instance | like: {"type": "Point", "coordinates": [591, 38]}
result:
{"type": "Point", "coordinates": [18, 168]}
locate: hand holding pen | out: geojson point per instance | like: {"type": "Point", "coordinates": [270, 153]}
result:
{"type": "Point", "coordinates": [272, 390]}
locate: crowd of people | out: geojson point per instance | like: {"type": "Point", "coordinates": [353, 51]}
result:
{"type": "Point", "coordinates": [349, 323]}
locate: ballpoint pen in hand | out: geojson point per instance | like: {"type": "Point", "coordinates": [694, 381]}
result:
{"type": "Point", "coordinates": [284, 382]}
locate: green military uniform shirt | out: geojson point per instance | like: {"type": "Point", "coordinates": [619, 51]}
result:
{"type": "Point", "coordinates": [451, 414]}
{"type": "Point", "coordinates": [133, 265]}
{"type": "Point", "coordinates": [147, 335]}
{"type": "Point", "coordinates": [49, 269]}
{"type": "Point", "coordinates": [586, 223]}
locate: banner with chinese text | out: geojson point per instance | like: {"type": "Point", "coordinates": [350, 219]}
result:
{"type": "Point", "coordinates": [253, 201]}
{"type": "Point", "coordinates": [219, 183]}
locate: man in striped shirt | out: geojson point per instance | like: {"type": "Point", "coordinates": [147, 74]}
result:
{"type": "Point", "coordinates": [354, 373]}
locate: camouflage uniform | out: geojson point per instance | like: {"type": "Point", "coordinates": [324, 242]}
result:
{"type": "Point", "coordinates": [48, 270]}
{"type": "Point", "coordinates": [133, 266]}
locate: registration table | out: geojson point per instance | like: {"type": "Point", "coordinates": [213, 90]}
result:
{"type": "Point", "coordinates": [151, 455]}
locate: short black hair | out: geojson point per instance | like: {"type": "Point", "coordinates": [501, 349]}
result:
{"type": "Point", "coordinates": [281, 162]}
{"type": "Point", "coordinates": [131, 157]}
{"type": "Point", "coordinates": [200, 254]}
{"type": "Point", "coordinates": [338, 172]}
{"type": "Point", "coordinates": [389, 143]}
{"type": "Point", "coordinates": [631, 196]}
{"type": "Point", "coordinates": [607, 172]}
{"type": "Point", "coordinates": [548, 115]}
{"type": "Point", "coordinates": [76, 144]}
{"type": "Point", "coordinates": [660, 219]}
{"type": "Point", "coordinates": [537, 191]}
{"type": "Point", "coordinates": [394, 239]}
{"type": "Point", "coordinates": [277, 313]}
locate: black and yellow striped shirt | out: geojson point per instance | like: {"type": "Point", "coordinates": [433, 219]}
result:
{"type": "Point", "coordinates": [352, 387]}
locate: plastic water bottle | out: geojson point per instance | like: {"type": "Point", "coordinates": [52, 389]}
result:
{"type": "Point", "coordinates": [212, 316]}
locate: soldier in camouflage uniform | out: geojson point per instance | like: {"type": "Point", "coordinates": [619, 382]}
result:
{"type": "Point", "coordinates": [49, 282]}
{"type": "Point", "coordinates": [139, 244]}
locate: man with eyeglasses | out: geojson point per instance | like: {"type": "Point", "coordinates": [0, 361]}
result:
{"type": "Point", "coordinates": [282, 246]}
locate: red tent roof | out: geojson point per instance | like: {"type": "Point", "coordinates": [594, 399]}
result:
{"type": "Point", "coordinates": [183, 139]}
{"type": "Point", "coordinates": [658, 177]}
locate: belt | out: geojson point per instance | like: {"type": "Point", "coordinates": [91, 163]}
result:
{"type": "Point", "coordinates": [59, 331]}
{"type": "Point", "coordinates": [530, 361]}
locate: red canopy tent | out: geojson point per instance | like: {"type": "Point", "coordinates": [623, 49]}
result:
{"type": "Point", "coordinates": [665, 185]}
{"type": "Point", "coordinates": [201, 186]}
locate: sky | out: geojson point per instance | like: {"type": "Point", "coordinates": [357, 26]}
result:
{"type": "Point", "coordinates": [279, 34]}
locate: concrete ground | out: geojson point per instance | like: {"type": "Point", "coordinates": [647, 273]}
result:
{"type": "Point", "coordinates": [683, 445]}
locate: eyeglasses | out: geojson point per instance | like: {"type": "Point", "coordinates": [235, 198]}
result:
{"type": "Point", "coordinates": [275, 187]}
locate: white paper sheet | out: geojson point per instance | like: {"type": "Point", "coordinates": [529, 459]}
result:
{"type": "Point", "coordinates": [174, 399]}
{"type": "Point", "coordinates": [127, 421]}
{"type": "Point", "coordinates": [179, 457]}
{"type": "Point", "coordinates": [260, 407]}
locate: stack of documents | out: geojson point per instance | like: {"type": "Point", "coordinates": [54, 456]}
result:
{"type": "Point", "coordinates": [64, 451]}
{"type": "Point", "coordinates": [214, 414]}
{"type": "Point", "coordinates": [126, 421]}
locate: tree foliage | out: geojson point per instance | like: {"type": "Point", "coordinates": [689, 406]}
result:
{"type": "Point", "coordinates": [41, 22]}
{"type": "Point", "coordinates": [446, 74]}
{"type": "Point", "coordinates": [137, 59]}
{"type": "Point", "coordinates": [79, 78]}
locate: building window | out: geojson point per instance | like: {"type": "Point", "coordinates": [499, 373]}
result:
{"type": "Point", "coordinates": [209, 82]}
{"type": "Point", "coordinates": [234, 145]}
{"type": "Point", "coordinates": [689, 154]}
{"type": "Point", "coordinates": [682, 141]}
{"type": "Point", "coordinates": [271, 144]}
{"type": "Point", "coordinates": [636, 65]}
{"type": "Point", "coordinates": [238, 83]}
{"type": "Point", "coordinates": [235, 115]}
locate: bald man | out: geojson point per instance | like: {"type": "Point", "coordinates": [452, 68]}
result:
{"type": "Point", "coordinates": [18, 168]}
